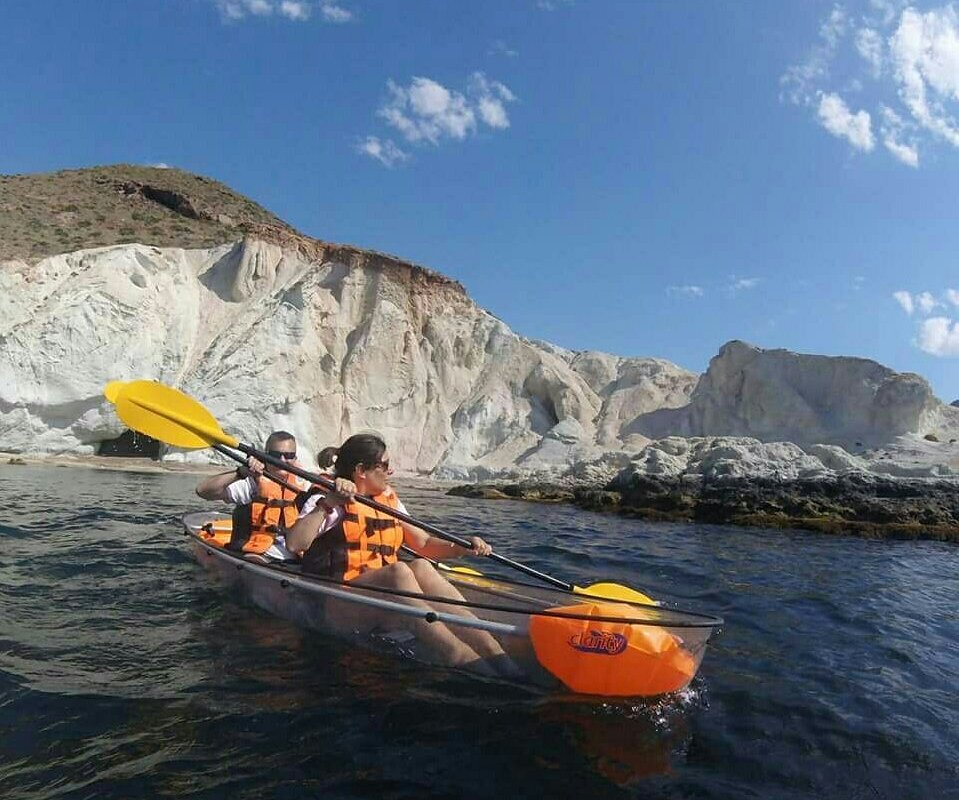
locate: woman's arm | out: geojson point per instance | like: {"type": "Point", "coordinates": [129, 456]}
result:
{"type": "Point", "coordinates": [440, 549]}
{"type": "Point", "coordinates": [305, 530]}
{"type": "Point", "coordinates": [313, 523]}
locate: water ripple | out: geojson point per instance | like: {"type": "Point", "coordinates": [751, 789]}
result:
{"type": "Point", "coordinates": [125, 673]}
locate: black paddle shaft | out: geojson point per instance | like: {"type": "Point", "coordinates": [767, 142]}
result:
{"type": "Point", "coordinates": [368, 501]}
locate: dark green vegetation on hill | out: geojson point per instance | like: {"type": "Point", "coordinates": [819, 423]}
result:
{"type": "Point", "coordinates": [58, 212]}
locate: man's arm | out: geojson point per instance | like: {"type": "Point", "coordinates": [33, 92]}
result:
{"type": "Point", "coordinates": [214, 487]}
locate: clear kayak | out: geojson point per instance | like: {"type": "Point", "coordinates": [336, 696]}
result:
{"type": "Point", "coordinates": [555, 639]}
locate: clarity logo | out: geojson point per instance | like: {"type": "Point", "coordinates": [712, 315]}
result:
{"type": "Point", "coordinates": [602, 642]}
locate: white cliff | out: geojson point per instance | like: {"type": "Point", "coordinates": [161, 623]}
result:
{"type": "Point", "coordinates": [321, 340]}
{"type": "Point", "coordinates": [325, 341]}
{"type": "Point", "coordinates": [777, 395]}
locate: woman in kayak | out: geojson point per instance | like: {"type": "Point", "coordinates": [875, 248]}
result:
{"type": "Point", "coordinates": [340, 538]}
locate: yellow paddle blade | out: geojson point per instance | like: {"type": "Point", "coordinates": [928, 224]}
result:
{"type": "Point", "coordinates": [169, 415]}
{"type": "Point", "coordinates": [463, 570]}
{"type": "Point", "coordinates": [112, 389]}
{"type": "Point", "coordinates": [615, 591]}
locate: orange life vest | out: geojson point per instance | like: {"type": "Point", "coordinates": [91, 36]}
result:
{"type": "Point", "coordinates": [363, 539]}
{"type": "Point", "coordinates": [272, 511]}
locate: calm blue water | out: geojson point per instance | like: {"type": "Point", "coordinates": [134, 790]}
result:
{"type": "Point", "coordinates": [124, 672]}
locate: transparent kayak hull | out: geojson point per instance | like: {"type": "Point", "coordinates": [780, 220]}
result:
{"type": "Point", "coordinates": [552, 639]}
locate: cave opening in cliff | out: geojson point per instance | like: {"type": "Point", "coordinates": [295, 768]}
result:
{"type": "Point", "coordinates": [131, 444]}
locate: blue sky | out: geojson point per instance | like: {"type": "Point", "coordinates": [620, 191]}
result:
{"type": "Point", "coordinates": [644, 178]}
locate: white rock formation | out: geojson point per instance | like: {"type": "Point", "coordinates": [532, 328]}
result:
{"type": "Point", "coordinates": [326, 341]}
{"type": "Point", "coordinates": [322, 343]}
{"type": "Point", "coordinates": [777, 395]}
{"type": "Point", "coordinates": [739, 457]}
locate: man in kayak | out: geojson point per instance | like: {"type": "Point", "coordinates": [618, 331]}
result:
{"type": "Point", "coordinates": [263, 508]}
{"type": "Point", "coordinates": [346, 540]}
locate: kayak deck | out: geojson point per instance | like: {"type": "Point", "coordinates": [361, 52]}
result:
{"type": "Point", "coordinates": [553, 638]}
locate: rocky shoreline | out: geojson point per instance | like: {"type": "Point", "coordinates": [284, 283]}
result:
{"type": "Point", "coordinates": [857, 504]}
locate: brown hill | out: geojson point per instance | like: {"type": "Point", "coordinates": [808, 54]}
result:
{"type": "Point", "coordinates": [59, 212]}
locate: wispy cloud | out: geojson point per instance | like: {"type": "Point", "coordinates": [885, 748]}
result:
{"type": "Point", "coordinates": [426, 112]}
{"type": "Point", "coordinates": [907, 60]}
{"type": "Point", "coordinates": [336, 14]}
{"type": "Point", "coordinates": [742, 284]}
{"type": "Point", "coordinates": [293, 10]}
{"type": "Point", "coordinates": [500, 48]}
{"type": "Point", "coordinates": [905, 301]}
{"type": "Point", "coordinates": [924, 302]}
{"type": "Point", "coordinates": [552, 5]}
{"type": "Point", "coordinates": [296, 11]}
{"type": "Point", "coordinates": [952, 295]}
{"type": "Point", "coordinates": [688, 290]}
{"type": "Point", "coordinates": [384, 151]}
{"type": "Point", "coordinates": [835, 117]}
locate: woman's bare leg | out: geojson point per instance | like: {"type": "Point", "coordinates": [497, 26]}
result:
{"type": "Point", "coordinates": [433, 584]}
{"type": "Point", "coordinates": [448, 647]}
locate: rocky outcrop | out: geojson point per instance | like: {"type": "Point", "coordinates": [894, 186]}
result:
{"type": "Point", "coordinates": [777, 395]}
{"type": "Point", "coordinates": [323, 340]}
{"type": "Point", "coordinates": [854, 503]}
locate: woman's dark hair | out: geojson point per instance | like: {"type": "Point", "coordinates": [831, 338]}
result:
{"type": "Point", "coordinates": [326, 458]}
{"type": "Point", "coordinates": [363, 448]}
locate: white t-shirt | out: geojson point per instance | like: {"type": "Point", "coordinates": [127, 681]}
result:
{"type": "Point", "coordinates": [241, 492]}
{"type": "Point", "coordinates": [336, 514]}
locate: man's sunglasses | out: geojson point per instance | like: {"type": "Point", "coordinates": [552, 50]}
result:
{"type": "Point", "coordinates": [281, 454]}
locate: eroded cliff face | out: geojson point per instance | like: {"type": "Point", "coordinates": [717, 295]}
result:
{"type": "Point", "coordinates": [777, 395]}
{"type": "Point", "coordinates": [279, 331]}
{"type": "Point", "coordinates": [322, 340]}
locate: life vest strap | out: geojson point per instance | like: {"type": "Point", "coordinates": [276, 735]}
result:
{"type": "Point", "coordinates": [274, 502]}
{"type": "Point", "coordinates": [379, 549]}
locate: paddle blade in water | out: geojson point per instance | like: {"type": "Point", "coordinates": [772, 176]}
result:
{"type": "Point", "coordinates": [615, 659]}
{"type": "Point", "coordinates": [112, 389]}
{"type": "Point", "coordinates": [169, 415]}
{"type": "Point", "coordinates": [615, 591]}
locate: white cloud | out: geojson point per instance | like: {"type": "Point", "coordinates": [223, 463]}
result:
{"type": "Point", "coordinates": [939, 336]}
{"type": "Point", "coordinates": [500, 48]}
{"type": "Point", "coordinates": [905, 300]}
{"type": "Point", "coordinates": [952, 295]}
{"type": "Point", "coordinates": [335, 14]}
{"type": "Point", "coordinates": [869, 45]}
{"type": "Point", "coordinates": [836, 118]}
{"type": "Point", "coordinates": [925, 51]}
{"type": "Point", "coordinates": [738, 284]}
{"type": "Point", "coordinates": [912, 57]}
{"type": "Point", "coordinates": [296, 11]}
{"type": "Point", "coordinates": [926, 302]}
{"type": "Point", "coordinates": [164, 165]}
{"type": "Point", "coordinates": [833, 28]}
{"type": "Point", "coordinates": [426, 111]}
{"type": "Point", "coordinates": [801, 80]}
{"type": "Point", "coordinates": [688, 290]}
{"type": "Point", "coordinates": [384, 151]}
{"type": "Point", "coordinates": [892, 128]}
{"type": "Point", "coordinates": [552, 5]}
